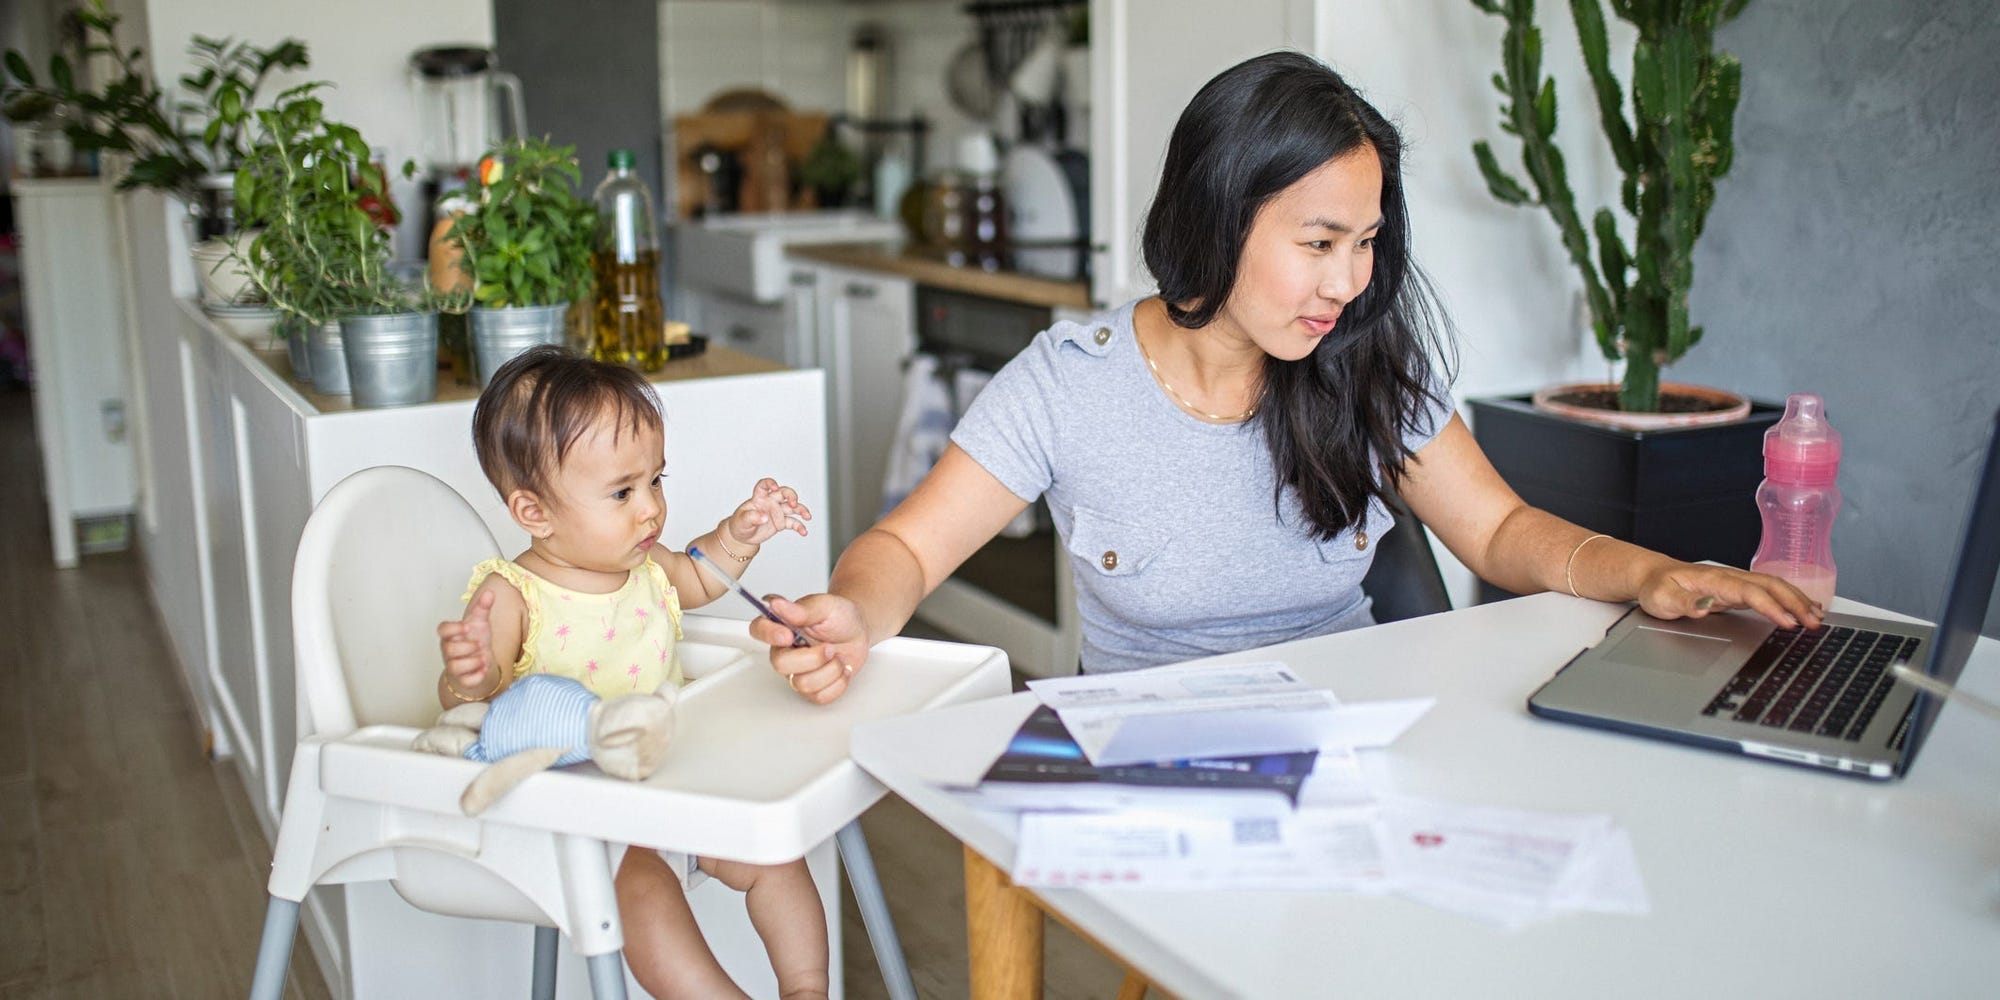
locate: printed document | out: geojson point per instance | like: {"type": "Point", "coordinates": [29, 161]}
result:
{"type": "Point", "coordinates": [1509, 866]}
{"type": "Point", "coordinates": [1322, 849]}
{"type": "Point", "coordinates": [1216, 710]}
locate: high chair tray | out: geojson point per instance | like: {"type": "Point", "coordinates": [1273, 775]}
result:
{"type": "Point", "coordinates": [755, 773]}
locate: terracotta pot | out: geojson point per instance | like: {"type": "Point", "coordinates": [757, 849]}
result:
{"type": "Point", "coordinates": [1726, 406]}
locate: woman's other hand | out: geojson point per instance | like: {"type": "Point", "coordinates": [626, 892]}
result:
{"type": "Point", "coordinates": [820, 672]}
{"type": "Point", "coordinates": [1697, 590]}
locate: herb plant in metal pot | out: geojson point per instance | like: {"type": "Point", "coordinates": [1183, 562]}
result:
{"type": "Point", "coordinates": [322, 259]}
{"type": "Point", "coordinates": [522, 243]}
{"type": "Point", "coordinates": [1669, 466]}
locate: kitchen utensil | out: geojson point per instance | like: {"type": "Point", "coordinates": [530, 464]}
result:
{"type": "Point", "coordinates": [968, 82]}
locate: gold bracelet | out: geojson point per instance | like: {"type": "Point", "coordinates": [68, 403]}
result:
{"type": "Point", "coordinates": [460, 695]}
{"type": "Point", "coordinates": [722, 539]}
{"type": "Point", "coordinates": [1571, 564]}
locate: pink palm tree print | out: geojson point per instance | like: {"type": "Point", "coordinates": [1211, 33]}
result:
{"type": "Point", "coordinates": [633, 672]}
{"type": "Point", "coordinates": [562, 632]}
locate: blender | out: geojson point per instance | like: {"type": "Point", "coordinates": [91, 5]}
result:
{"type": "Point", "coordinates": [464, 105]}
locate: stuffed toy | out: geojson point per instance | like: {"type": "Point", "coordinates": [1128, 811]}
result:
{"type": "Point", "coordinates": [543, 721]}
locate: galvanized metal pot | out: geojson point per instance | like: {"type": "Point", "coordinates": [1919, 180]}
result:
{"type": "Point", "coordinates": [297, 348]}
{"type": "Point", "coordinates": [499, 334]}
{"type": "Point", "coordinates": [391, 358]}
{"type": "Point", "coordinates": [329, 359]}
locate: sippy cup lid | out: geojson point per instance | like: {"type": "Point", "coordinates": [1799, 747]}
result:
{"type": "Point", "coordinates": [1802, 448]}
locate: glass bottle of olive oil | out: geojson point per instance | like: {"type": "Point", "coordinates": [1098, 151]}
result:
{"type": "Point", "coordinates": [629, 318]}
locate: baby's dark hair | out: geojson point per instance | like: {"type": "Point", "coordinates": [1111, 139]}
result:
{"type": "Point", "coordinates": [539, 403]}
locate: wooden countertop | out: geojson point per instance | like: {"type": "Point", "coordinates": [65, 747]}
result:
{"type": "Point", "coordinates": [715, 362]}
{"type": "Point", "coordinates": [895, 258]}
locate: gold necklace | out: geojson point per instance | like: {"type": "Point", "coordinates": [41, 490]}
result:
{"type": "Point", "coordinates": [1182, 400]}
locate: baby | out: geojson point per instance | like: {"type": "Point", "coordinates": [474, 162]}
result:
{"type": "Point", "coordinates": [575, 447]}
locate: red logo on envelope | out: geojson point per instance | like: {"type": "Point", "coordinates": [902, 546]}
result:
{"type": "Point", "coordinates": [1427, 839]}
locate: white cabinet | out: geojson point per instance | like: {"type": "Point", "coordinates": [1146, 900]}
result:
{"type": "Point", "coordinates": [867, 326]}
{"type": "Point", "coordinates": [73, 290]}
{"type": "Point", "coordinates": [741, 325]}
{"type": "Point", "coordinates": [1148, 57]}
{"type": "Point", "coordinates": [860, 326]}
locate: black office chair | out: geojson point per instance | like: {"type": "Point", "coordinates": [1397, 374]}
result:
{"type": "Point", "coordinates": [1404, 580]}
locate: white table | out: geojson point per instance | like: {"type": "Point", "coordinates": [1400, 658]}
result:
{"type": "Point", "coordinates": [1766, 879]}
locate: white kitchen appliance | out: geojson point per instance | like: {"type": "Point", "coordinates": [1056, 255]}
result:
{"type": "Point", "coordinates": [731, 275]}
{"type": "Point", "coordinates": [1048, 197]}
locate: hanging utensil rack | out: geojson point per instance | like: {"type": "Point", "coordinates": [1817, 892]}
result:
{"type": "Point", "coordinates": [1008, 29]}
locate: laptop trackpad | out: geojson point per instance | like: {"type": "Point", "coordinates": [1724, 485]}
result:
{"type": "Point", "coordinates": [1660, 649]}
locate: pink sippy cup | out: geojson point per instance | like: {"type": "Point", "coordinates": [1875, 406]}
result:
{"type": "Point", "coordinates": [1798, 498]}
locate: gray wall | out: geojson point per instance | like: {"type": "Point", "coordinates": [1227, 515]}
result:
{"type": "Point", "coordinates": [1851, 253]}
{"type": "Point", "coordinates": [590, 74]}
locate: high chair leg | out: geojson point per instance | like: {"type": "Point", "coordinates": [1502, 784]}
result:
{"type": "Point", "coordinates": [875, 911]}
{"type": "Point", "coordinates": [607, 976]}
{"type": "Point", "coordinates": [544, 982]}
{"type": "Point", "coordinates": [274, 950]}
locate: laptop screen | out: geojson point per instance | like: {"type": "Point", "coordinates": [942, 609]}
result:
{"type": "Point", "coordinates": [1969, 589]}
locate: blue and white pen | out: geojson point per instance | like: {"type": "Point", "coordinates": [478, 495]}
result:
{"type": "Point", "coordinates": [762, 608]}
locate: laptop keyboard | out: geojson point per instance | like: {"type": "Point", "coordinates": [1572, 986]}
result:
{"type": "Point", "coordinates": [1828, 681]}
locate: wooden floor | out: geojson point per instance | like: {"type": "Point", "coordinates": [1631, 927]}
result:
{"type": "Point", "coordinates": [130, 863]}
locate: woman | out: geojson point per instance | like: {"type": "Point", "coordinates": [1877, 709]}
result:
{"type": "Point", "coordinates": [1216, 456]}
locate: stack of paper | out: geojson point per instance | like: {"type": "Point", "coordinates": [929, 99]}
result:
{"type": "Point", "coordinates": [1173, 713]}
{"type": "Point", "coordinates": [1244, 777]}
{"type": "Point", "coordinates": [1509, 866]}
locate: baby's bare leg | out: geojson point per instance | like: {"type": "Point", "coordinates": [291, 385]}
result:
{"type": "Point", "coordinates": [663, 945]}
{"type": "Point", "coordinates": [785, 908]}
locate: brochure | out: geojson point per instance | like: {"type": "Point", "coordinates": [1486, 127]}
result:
{"type": "Point", "coordinates": [1043, 767]}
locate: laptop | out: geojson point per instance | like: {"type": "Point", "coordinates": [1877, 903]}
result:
{"type": "Point", "coordinates": [1823, 698]}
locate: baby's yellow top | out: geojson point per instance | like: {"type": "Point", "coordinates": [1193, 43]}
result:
{"type": "Point", "coordinates": [616, 643]}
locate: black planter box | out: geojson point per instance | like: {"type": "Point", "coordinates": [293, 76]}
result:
{"type": "Point", "coordinates": [1688, 492]}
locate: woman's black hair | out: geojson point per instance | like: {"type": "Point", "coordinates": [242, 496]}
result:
{"type": "Point", "coordinates": [1332, 417]}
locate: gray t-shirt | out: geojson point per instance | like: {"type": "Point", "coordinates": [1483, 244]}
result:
{"type": "Point", "coordinates": [1168, 522]}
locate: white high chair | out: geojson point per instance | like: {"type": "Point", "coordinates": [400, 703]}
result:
{"type": "Point", "coordinates": [755, 773]}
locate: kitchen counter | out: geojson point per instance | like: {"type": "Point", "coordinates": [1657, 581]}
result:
{"type": "Point", "coordinates": [715, 362]}
{"type": "Point", "coordinates": [897, 258]}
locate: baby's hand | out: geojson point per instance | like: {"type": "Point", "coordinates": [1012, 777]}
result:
{"type": "Point", "coordinates": [771, 508]}
{"type": "Point", "coordinates": [467, 646]}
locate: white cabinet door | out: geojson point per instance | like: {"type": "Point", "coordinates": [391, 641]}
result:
{"type": "Point", "coordinates": [751, 327]}
{"type": "Point", "coordinates": [1148, 57]}
{"type": "Point", "coordinates": [73, 292]}
{"type": "Point", "coordinates": [867, 328]}
{"type": "Point", "coordinates": [801, 309]}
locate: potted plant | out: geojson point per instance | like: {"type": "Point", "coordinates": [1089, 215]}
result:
{"type": "Point", "coordinates": [321, 258]}
{"type": "Point", "coordinates": [522, 242]}
{"type": "Point", "coordinates": [1610, 461]}
{"type": "Point", "coordinates": [173, 144]}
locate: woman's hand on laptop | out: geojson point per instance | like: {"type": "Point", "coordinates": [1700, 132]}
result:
{"type": "Point", "coordinates": [1676, 589]}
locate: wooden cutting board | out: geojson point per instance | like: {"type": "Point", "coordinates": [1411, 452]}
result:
{"type": "Point", "coordinates": [768, 143]}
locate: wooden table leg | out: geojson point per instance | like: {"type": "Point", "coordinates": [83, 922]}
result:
{"type": "Point", "coordinates": [1003, 930]}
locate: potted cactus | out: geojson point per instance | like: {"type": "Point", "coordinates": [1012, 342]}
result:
{"type": "Point", "coordinates": [1626, 458]}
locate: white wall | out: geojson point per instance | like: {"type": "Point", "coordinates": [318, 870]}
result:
{"type": "Point", "coordinates": [1499, 270]}
{"type": "Point", "coordinates": [798, 51]}
{"type": "Point", "coordinates": [362, 47]}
